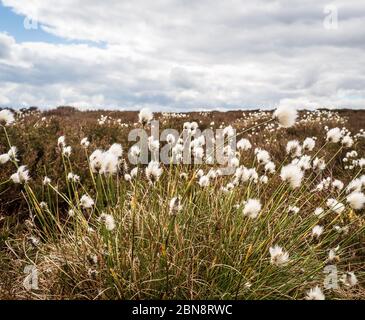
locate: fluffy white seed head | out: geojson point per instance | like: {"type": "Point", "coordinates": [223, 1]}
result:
{"type": "Point", "coordinates": [109, 163]}
{"type": "Point", "coordinates": [309, 144]}
{"type": "Point", "coordinates": [6, 117]}
{"type": "Point", "coordinates": [175, 205]}
{"type": "Point", "coordinates": [85, 142]}
{"type": "Point", "coordinates": [145, 116]}
{"type": "Point", "coordinates": [153, 171]}
{"type": "Point", "coordinates": [335, 206]}
{"type": "Point", "coordinates": [270, 167]}
{"type": "Point", "coordinates": [315, 294]}
{"type": "Point", "coordinates": [4, 158]}
{"type": "Point", "coordinates": [61, 141]}
{"type": "Point", "coordinates": [170, 139]}
{"type": "Point", "coordinates": [286, 116]}
{"type": "Point", "coordinates": [337, 185]}
{"type": "Point", "coordinates": [66, 151]}
{"type": "Point", "coordinates": [263, 157]}
{"type": "Point", "coordinates": [317, 231]}
{"type": "Point", "coordinates": [21, 176]}
{"type": "Point", "coordinates": [293, 148]}
{"type": "Point", "coordinates": [12, 153]}
{"type": "Point", "coordinates": [334, 135]}
{"type": "Point", "coordinates": [244, 145]}
{"type": "Point", "coordinates": [292, 174]}
{"type": "Point", "coordinates": [349, 279]}
{"type": "Point", "coordinates": [318, 164]}
{"type": "Point", "coordinates": [356, 200]}
{"type": "Point", "coordinates": [204, 181]}
{"type": "Point", "coordinates": [108, 220]}
{"type": "Point", "coordinates": [318, 212]}
{"type": "Point", "coordinates": [252, 208]}
{"type": "Point", "coordinates": [278, 256]}
{"type": "Point", "coordinates": [116, 149]}
{"type": "Point", "coordinates": [347, 141]}
{"type": "Point", "coordinates": [86, 202]}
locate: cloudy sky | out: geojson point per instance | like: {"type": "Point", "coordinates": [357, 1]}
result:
{"type": "Point", "coordinates": [179, 55]}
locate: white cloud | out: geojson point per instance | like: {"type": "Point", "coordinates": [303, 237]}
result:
{"type": "Point", "coordinates": [179, 55]}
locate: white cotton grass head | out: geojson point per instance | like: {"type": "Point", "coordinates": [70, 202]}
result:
{"type": "Point", "coordinates": [315, 294]}
{"type": "Point", "coordinates": [278, 256]}
{"type": "Point", "coordinates": [66, 151]}
{"type": "Point", "coordinates": [319, 212]}
{"type": "Point", "coordinates": [187, 126]}
{"type": "Point", "coordinates": [116, 149]}
{"type": "Point", "coordinates": [293, 148]}
{"type": "Point", "coordinates": [46, 181]}
{"type": "Point", "coordinates": [293, 209]}
{"type": "Point", "coordinates": [73, 177]}
{"type": "Point", "coordinates": [21, 176]}
{"type": "Point", "coordinates": [6, 117]}
{"type": "Point", "coordinates": [355, 185]}
{"type": "Point", "coordinates": [43, 205]}
{"type": "Point", "coordinates": [108, 220]}
{"type": "Point", "coordinates": [264, 179]}
{"type": "Point", "coordinates": [318, 164]}
{"type": "Point", "coordinates": [263, 156]}
{"type": "Point", "coordinates": [334, 135]}
{"type": "Point", "coordinates": [134, 172]}
{"type": "Point", "coordinates": [317, 231]}
{"type": "Point", "coordinates": [61, 141]}
{"type": "Point", "coordinates": [244, 145]}
{"type": "Point", "coordinates": [285, 115]}
{"type": "Point", "coordinates": [200, 173]}
{"type": "Point", "coordinates": [229, 131]}
{"type": "Point", "coordinates": [234, 162]}
{"type": "Point", "coordinates": [153, 171]}
{"type": "Point", "coordinates": [95, 160]}
{"type": "Point", "coordinates": [347, 141]}
{"type": "Point", "coordinates": [170, 139]}
{"type": "Point", "coordinates": [356, 200]}
{"type": "Point", "coordinates": [4, 158]}
{"type": "Point", "coordinates": [145, 116]}
{"type": "Point", "coordinates": [309, 144]}
{"type": "Point", "coordinates": [85, 142]}
{"type": "Point", "coordinates": [252, 208]}
{"type": "Point", "coordinates": [335, 205]}
{"type": "Point", "coordinates": [228, 188]}
{"type": "Point", "coordinates": [292, 174]}
{"type": "Point", "coordinates": [270, 167]}
{"type": "Point", "coordinates": [86, 202]}
{"type": "Point", "coordinates": [109, 164]}
{"type": "Point", "coordinates": [135, 151]}
{"type": "Point", "coordinates": [337, 185]}
{"type": "Point", "coordinates": [332, 255]}
{"type": "Point", "coordinates": [304, 162]}
{"type": "Point", "coordinates": [12, 153]}
{"type": "Point", "coordinates": [175, 205]}
{"type": "Point", "coordinates": [204, 181]}
{"type": "Point", "coordinates": [349, 279]}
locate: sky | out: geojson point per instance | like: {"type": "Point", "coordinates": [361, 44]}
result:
{"type": "Point", "coordinates": [182, 55]}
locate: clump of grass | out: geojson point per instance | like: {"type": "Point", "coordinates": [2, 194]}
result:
{"type": "Point", "coordinates": [94, 233]}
